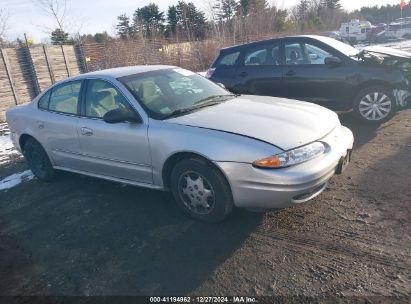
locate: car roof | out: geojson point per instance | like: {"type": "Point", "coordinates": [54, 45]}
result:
{"type": "Point", "coordinates": [126, 71]}
{"type": "Point", "coordinates": [316, 37]}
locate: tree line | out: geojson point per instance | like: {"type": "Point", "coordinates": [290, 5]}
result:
{"type": "Point", "coordinates": [239, 18]}
{"type": "Point", "coordinates": [219, 19]}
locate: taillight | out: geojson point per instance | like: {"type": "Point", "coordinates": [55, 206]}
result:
{"type": "Point", "coordinates": [210, 72]}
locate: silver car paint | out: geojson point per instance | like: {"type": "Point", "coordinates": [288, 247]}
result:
{"type": "Point", "coordinates": [231, 148]}
{"type": "Point", "coordinates": [281, 122]}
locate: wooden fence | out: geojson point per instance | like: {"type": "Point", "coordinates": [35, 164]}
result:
{"type": "Point", "coordinates": [26, 71]}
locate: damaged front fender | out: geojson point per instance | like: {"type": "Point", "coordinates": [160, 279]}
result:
{"type": "Point", "coordinates": [401, 97]}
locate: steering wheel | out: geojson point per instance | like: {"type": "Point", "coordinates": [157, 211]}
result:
{"type": "Point", "coordinates": [187, 92]}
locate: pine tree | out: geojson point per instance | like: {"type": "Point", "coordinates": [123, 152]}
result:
{"type": "Point", "coordinates": [124, 30]}
{"type": "Point", "coordinates": [59, 37]}
{"type": "Point", "coordinates": [331, 4]}
{"type": "Point", "coordinates": [149, 20]}
{"type": "Point", "coordinates": [225, 9]}
{"type": "Point", "coordinates": [172, 20]}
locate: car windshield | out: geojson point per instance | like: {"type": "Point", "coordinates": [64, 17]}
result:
{"type": "Point", "coordinates": [340, 46]}
{"type": "Point", "coordinates": [170, 92]}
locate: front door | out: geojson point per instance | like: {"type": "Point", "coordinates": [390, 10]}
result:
{"type": "Point", "coordinates": [307, 77]}
{"type": "Point", "coordinates": [118, 150]}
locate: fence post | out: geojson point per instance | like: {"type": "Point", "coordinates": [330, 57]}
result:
{"type": "Point", "coordinates": [65, 60]}
{"type": "Point", "coordinates": [27, 54]}
{"type": "Point", "coordinates": [53, 80]}
{"type": "Point", "coordinates": [81, 57]}
{"type": "Point", "coordinates": [9, 76]}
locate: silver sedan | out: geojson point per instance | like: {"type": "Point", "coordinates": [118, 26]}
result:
{"type": "Point", "coordinates": [167, 128]}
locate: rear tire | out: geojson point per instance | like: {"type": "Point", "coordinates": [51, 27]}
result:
{"type": "Point", "coordinates": [38, 161]}
{"type": "Point", "coordinates": [201, 191]}
{"type": "Point", "coordinates": [374, 105]}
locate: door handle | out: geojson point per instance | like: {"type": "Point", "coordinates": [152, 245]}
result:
{"type": "Point", "coordinates": [243, 74]}
{"type": "Point", "coordinates": [86, 131]}
{"type": "Point", "coordinates": [40, 124]}
{"type": "Point", "coordinates": [290, 73]}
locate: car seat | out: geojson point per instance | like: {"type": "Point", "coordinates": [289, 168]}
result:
{"type": "Point", "coordinates": [294, 57]}
{"type": "Point", "coordinates": [66, 105]}
{"type": "Point", "coordinates": [101, 102]}
{"type": "Point", "coordinates": [147, 92]}
{"type": "Point", "coordinates": [254, 61]}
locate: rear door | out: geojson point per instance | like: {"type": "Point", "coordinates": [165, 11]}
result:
{"type": "Point", "coordinates": [260, 71]}
{"type": "Point", "coordinates": [307, 77]}
{"type": "Point", "coordinates": [119, 150]}
{"type": "Point", "coordinates": [224, 68]}
{"type": "Point", "coordinates": [56, 123]}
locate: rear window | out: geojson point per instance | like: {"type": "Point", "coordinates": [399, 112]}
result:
{"type": "Point", "coordinates": [228, 59]}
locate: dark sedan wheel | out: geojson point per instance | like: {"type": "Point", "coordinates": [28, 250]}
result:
{"type": "Point", "coordinates": [374, 105]}
{"type": "Point", "coordinates": [38, 161]}
{"type": "Point", "coordinates": [200, 190]}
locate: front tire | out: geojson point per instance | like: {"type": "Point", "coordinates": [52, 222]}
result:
{"type": "Point", "coordinates": [201, 191]}
{"type": "Point", "coordinates": [38, 161]}
{"type": "Point", "coordinates": [374, 105]}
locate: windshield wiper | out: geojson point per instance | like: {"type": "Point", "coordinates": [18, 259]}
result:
{"type": "Point", "coordinates": [213, 98]}
{"type": "Point", "coordinates": [206, 102]}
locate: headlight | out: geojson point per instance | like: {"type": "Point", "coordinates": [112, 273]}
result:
{"type": "Point", "coordinates": [292, 157]}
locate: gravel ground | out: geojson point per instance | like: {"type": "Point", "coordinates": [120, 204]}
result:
{"type": "Point", "coordinates": [82, 236]}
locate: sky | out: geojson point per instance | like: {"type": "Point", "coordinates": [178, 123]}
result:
{"type": "Point", "coordinates": [91, 16]}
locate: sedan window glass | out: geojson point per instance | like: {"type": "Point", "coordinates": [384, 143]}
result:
{"type": "Point", "coordinates": [228, 59]}
{"type": "Point", "coordinates": [101, 97]}
{"type": "Point", "coordinates": [262, 55]}
{"type": "Point", "coordinates": [304, 53]}
{"type": "Point", "coordinates": [164, 92]}
{"type": "Point", "coordinates": [316, 55]}
{"type": "Point", "coordinates": [44, 101]}
{"type": "Point", "coordinates": [64, 98]}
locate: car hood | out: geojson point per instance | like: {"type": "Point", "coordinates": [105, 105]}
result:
{"type": "Point", "coordinates": [281, 122]}
{"type": "Point", "coordinates": [387, 51]}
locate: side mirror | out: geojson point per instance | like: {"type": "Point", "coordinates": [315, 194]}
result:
{"type": "Point", "coordinates": [332, 60]}
{"type": "Point", "coordinates": [313, 56]}
{"type": "Point", "coordinates": [121, 115]}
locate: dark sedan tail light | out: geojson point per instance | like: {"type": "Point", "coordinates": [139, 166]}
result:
{"type": "Point", "coordinates": [210, 72]}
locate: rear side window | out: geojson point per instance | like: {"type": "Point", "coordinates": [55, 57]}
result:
{"type": "Point", "coordinates": [44, 101]}
{"type": "Point", "coordinates": [65, 97]}
{"type": "Point", "coordinates": [228, 59]}
{"type": "Point", "coordinates": [268, 54]}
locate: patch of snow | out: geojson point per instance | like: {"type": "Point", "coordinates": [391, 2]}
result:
{"type": "Point", "coordinates": [15, 179]}
{"type": "Point", "coordinates": [7, 149]}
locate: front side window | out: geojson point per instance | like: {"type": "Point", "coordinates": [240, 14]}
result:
{"type": "Point", "coordinates": [65, 97]}
{"type": "Point", "coordinates": [262, 55]}
{"type": "Point", "coordinates": [166, 92]}
{"type": "Point", "coordinates": [101, 97]}
{"type": "Point", "coordinates": [304, 53]}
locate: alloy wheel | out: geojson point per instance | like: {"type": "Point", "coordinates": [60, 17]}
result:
{"type": "Point", "coordinates": [375, 106]}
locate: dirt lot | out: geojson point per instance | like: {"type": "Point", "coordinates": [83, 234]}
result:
{"type": "Point", "coordinates": [83, 236]}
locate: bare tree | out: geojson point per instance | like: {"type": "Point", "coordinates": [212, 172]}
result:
{"type": "Point", "coordinates": [56, 9]}
{"type": "Point", "coordinates": [4, 24]}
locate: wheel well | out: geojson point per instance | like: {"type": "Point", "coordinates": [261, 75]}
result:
{"type": "Point", "coordinates": [23, 139]}
{"type": "Point", "coordinates": [175, 158]}
{"type": "Point", "coordinates": [371, 83]}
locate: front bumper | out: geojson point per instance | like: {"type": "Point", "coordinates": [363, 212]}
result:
{"type": "Point", "coordinates": [279, 188]}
